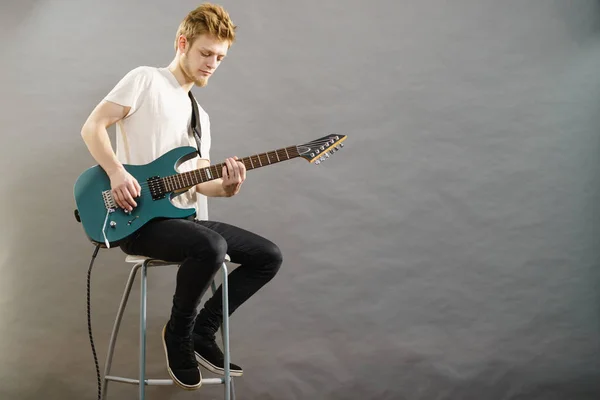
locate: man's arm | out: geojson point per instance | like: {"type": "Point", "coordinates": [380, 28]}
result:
{"type": "Point", "coordinates": [234, 174]}
{"type": "Point", "coordinates": [94, 133]}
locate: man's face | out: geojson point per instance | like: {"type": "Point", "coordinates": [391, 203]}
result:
{"type": "Point", "coordinates": [200, 60]}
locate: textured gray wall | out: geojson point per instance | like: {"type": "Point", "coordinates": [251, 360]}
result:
{"type": "Point", "coordinates": [450, 251]}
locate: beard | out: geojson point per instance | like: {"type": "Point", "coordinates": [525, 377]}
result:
{"type": "Point", "coordinates": [189, 74]}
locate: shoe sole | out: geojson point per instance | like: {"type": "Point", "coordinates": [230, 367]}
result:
{"type": "Point", "coordinates": [175, 380]}
{"type": "Point", "coordinates": [214, 369]}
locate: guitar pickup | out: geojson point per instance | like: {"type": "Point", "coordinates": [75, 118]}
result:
{"type": "Point", "coordinates": [157, 187]}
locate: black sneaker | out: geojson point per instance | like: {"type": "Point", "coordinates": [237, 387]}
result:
{"type": "Point", "coordinates": [181, 364]}
{"type": "Point", "coordinates": [210, 356]}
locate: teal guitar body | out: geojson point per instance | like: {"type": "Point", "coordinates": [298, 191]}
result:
{"type": "Point", "coordinates": [106, 224]}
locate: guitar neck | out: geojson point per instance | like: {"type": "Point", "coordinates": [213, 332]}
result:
{"type": "Point", "coordinates": [186, 180]}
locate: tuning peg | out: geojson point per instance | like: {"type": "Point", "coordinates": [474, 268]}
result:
{"type": "Point", "coordinates": [342, 144]}
{"type": "Point", "coordinates": [327, 155]}
{"type": "Point", "coordinates": [322, 148]}
{"type": "Point", "coordinates": [317, 162]}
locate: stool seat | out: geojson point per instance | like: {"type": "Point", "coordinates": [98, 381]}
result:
{"type": "Point", "coordinates": [140, 259]}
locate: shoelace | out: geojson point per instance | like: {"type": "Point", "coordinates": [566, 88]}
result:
{"type": "Point", "coordinates": [186, 350]}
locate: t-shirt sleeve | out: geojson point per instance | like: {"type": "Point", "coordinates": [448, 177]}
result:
{"type": "Point", "coordinates": [130, 90]}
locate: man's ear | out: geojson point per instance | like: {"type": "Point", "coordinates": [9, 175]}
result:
{"type": "Point", "coordinates": [182, 44]}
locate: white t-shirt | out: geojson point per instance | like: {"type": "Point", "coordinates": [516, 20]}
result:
{"type": "Point", "coordinates": [159, 121]}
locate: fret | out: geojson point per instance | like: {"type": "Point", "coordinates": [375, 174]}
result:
{"type": "Point", "coordinates": [286, 153]}
{"type": "Point", "coordinates": [277, 154]}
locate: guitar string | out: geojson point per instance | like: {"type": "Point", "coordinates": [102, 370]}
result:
{"type": "Point", "coordinates": [146, 185]}
{"type": "Point", "coordinates": [178, 179]}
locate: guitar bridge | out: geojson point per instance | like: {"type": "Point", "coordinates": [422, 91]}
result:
{"type": "Point", "coordinates": [109, 201]}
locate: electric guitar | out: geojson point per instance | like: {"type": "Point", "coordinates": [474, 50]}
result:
{"type": "Point", "coordinates": [106, 224]}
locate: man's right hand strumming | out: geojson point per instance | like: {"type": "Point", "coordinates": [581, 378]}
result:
{"type": "Point", "coordinates": [124, 189]}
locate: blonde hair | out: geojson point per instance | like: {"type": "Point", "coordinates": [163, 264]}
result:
{"type": "Point", "coordinates": [208, 19]}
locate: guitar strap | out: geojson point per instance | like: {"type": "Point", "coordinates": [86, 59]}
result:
{"type": "Point", "coordinates": [195, 122]}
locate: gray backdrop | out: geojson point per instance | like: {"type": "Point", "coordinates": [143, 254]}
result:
{"type": "Point", "coordinates": [450, 251]}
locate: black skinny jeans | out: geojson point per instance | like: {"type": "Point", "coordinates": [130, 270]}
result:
{"type": "Point", "coordinates": [200, 247]}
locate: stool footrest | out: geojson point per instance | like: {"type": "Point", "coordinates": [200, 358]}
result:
{"type": "Point", "coordinates": [161, 382]}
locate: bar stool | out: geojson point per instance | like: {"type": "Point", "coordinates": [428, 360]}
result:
{"type": "Point", "coordinates": [144, 263]}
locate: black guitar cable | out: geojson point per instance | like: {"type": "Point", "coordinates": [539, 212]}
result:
{"type": "Point", "coordinates": [89, 317]}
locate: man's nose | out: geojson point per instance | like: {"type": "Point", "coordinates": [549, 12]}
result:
{"type": "Point", "coordinates": [211, 62]}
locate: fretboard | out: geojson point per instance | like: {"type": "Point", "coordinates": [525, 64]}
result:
{"type": "Point", "coordinates": [186, 180]}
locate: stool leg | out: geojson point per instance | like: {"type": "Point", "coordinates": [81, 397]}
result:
{"type": "Point", "coordinates": [116, 326]}
{"type": "Point", "coordinates": [225, 336]}
{"type": "Point", "coordinates": [225, 291]}
{"type": "Point", "coordinates": [143, 297]}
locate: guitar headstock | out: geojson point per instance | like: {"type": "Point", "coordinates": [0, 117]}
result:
{"type": "Point", "coordinates": [321, 149]}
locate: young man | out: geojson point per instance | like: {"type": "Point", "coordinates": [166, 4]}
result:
{"type": "Point", "coordinates": [152, 111]}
